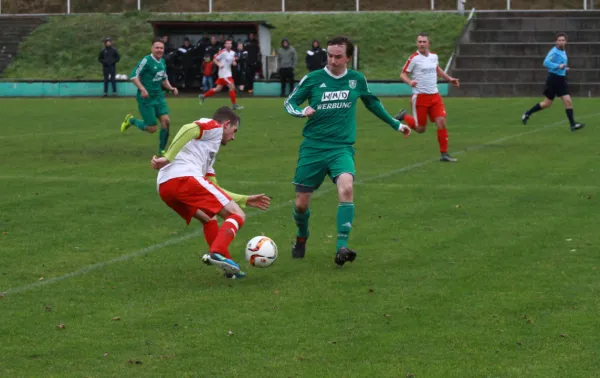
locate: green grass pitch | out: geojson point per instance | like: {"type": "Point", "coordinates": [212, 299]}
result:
{"type": "Point", "coordinates": [483, 268]}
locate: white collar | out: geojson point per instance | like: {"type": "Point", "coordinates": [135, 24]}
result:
{"type": "Point", "coordinates": [338, 76]}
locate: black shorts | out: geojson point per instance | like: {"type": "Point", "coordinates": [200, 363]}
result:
{"type": "Point", "coordinates": [556, 86]}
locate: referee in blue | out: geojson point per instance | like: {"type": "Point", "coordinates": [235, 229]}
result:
{"type": "Point", "coordinates": [556, 83]}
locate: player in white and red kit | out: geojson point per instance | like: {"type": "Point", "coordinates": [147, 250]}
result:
{"type": "Point", "coordinates": [426, 100]}
{"type": "Point", "coordinates": [224, 59]}
{"type": "Point", "coordinates": [186, 183]}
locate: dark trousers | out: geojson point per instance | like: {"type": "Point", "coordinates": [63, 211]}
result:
{"type": "Point", "coordinates": [250, 73]}
{"type": "Point", "coordinates": [286, 75]}
{"type": "Point", "coordinates": [112, 71]}
{"type": "Point", "coordinates": [190, 76]}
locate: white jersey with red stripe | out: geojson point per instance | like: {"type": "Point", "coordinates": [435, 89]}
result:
{"type": "Point", "coordinates": [197, 157]}
{"type": "Point", "coordinates": [226, 58]}
{"type": "Point", "coordinates": [423, 69]}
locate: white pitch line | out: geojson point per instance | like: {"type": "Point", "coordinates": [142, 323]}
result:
{"type": "Point", "coordinates": [145, 251]}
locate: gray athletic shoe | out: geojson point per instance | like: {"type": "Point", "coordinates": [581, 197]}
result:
{"type": "Point", "coordinates": [446, 157]}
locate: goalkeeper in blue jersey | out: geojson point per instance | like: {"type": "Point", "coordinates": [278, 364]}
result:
{"type": "Point", "coordinates": [329, 135]}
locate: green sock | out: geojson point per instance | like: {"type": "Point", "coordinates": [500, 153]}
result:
{"type": "Point", "coordinates": [345, 216]}
{"type": "Point", "coordinates": [302, 222]}
{"type": "Point", "coordinates": [164, 138]}
{"type": "Point", "coordinates": [138, 123]}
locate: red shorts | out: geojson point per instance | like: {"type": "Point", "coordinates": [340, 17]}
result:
{"type": "Point", "coordinates": [424, 105]}
{"type": "Point", "coordinates": [225, 82]}
{"type": "Point", "coordinates": [188, 194]}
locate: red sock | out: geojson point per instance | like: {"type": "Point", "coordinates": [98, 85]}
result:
{"type": "Point", "coordinates": [232, 96]}
{"type": "Point", "coordinates": [211, 230]}
{"type": "Point", "coordinates": [226, 234]}
{"type": "Point", "coordinates": [443, 140]}
{"type": "Point", "coordinates": [410, 121]}
{"type": "Point", "coordinates": [209, 93]}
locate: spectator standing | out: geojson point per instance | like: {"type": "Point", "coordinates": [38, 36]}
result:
{"type": "Point", "coordinates": [109, 57]}
{"type": "Point", "coordinates": [207, 73]}
{"type": "Point", "coordinates": [286, 63]}
{"type": "Point", "coordinates": [189, 71]}
{"type": "Point", "coordinates": [253, 62]}
{"type": "Point", "coordinates": [316, 57]}
{"type": "Point", "coordinates": [239, 73]}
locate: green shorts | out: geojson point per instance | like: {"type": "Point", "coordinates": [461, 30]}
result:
{"type": "Point", "coordinates": [316, 163]}
{"type": "Point", "coordinates": [151, 108]}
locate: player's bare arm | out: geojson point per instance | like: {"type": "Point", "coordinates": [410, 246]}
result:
{"type": "Point", "coordinates": [136, 81]}
{"type": "Point", "coordinates": [218, 63]}
{"type": "Point", "coordinates": [405, 78]}
{"type": "Point", "coordinates": [452, 80]}
{"type": "Point", "coordinates": [169, 87]}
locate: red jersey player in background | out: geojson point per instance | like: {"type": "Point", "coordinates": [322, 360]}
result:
{"type": "Point", "coordinates": [224, 59]}
{"type": "Point", "coordinates": [426, 100]}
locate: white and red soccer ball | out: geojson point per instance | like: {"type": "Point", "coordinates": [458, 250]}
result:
{"type": "Point", "coordinates": [261, 251]}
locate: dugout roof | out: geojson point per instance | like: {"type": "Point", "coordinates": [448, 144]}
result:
{"type": "Point", "coordinates": [183, 26]}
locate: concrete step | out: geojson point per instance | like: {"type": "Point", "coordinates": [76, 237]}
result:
{"type": "Point", "coordinates": [520, 90]}
{"type": "Point", "coordinates": [12, 32]}
{"type": "Point", "coordinates": [573, 49]}
{"type": "Point", "coordinates": [523, 62]}
{"type": "Point", "coordinates": [538, 13]}
{"type": "Point", "coordinates": [21, 21]}
{"type": "Point", "coordinates": [531, 36]}
{"type": "Point", "coordinates": [18, 25]}
{"type": "Point", "coordinates": [10, 45]}
{"type": "Point", "coordinates": [486, 75]}
{"type": "Point", "coordinates": [13, 35]}
{"type": "Point", "coordinates": [538, 23]}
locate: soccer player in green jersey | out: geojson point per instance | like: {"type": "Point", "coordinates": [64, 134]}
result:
{"type": "Point", "coordinates": [329, 136]}
{"type": "Point", "coordinates": [150, 77]}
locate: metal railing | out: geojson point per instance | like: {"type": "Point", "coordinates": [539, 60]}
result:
{"type": "Point", "coordinates": [287, 6]}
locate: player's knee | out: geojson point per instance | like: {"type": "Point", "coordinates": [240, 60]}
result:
{"type": "Point", "coordinates": [151, 129]}
{"type": "Point", "coordinates": [420, 129]}
{"type": "Point", "coordinates": [546, 103]}
{"type": "Point", "coordinates": [241, 214]}
{"type": "Point", "coordinates": [441, 123]}
{"type": "Point", "coordinates": [345, 187]}
{"type": "Point", "coordinates": [166, 123]}
{"type": "Point", "coordinates": [346, 193]}
{"type": "Point", "coordinates": [302, 202]}
{"type": "Point", "coordinates": [233, 208]}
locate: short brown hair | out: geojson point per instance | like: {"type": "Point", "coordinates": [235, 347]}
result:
{"type": "Point", "coordinates": [157, 39]}
{"type": "Point", "coordinates": [423, 34]}
{"type": "Point", "coordinates": [225, 113]}
{"type": "Point", "coordinates": [341, 40]}
{"type": "Point", "coordinates": [561, 34]}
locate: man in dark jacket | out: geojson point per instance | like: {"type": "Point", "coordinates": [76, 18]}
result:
{"type": "Point", "coordinates": [316, 58]}
{"type": "Point", "coordinates": [109, 57]}
{"type": "Point", "coordinates": [254, 60]}
{"type": "Point", "coordinates": [187, 59]}
{"type": "Point", "coordinates": [239, 74]}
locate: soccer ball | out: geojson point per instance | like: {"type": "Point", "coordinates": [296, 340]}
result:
{"type": "Point", "coordinates": [261, 251]}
